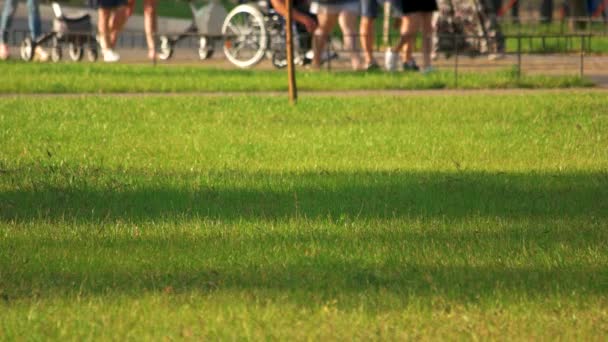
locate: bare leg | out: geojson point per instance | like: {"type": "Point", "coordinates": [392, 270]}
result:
{"type": "Point", "coordinates": [348, 25]}
{"type": "Point", "coordinates": [409, 27]}
{"type": "Point", "coordinates": [326, 24]}
{"type": "Point", "coordinates": [366, 31]}
{"type": "Point", "coordinates": [150, 26]}
{"type": "Point", "coordinates": [103, 27]}
{"type": "Point", "coordinates": [117, 22]}
{"type": "Point", "coordinates": [426, 20]}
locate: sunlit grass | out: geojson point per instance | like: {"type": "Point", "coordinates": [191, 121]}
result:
{"type": "Point", "coordinates": [443, 217]}
{"type": "Point", "coordinates": [96, 78]}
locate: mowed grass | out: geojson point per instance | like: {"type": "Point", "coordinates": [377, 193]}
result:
{"type": "Point", "coordinates": [439, 217]}
{"type": "Point", "coordinates": [97, 78]}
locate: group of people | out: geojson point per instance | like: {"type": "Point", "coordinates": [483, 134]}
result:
{"type": "Point", "coordinates": [319, 18]}
{"type": "Point", "coordinates": [112, 16]}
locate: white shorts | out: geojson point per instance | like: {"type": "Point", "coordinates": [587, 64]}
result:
{"type": "Point", "coordinates": [352, 7]}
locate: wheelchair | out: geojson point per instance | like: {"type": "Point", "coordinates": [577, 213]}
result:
{"type": "Point", "coordinates": [253, 31]}
{"type": "Point", "coordinates": [75, 31]}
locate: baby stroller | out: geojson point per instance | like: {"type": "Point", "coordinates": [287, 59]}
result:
{"type": "Point", "coordinates": [206, 22]}
{"type": "Point", "coordinates": [467, 26]}
{"type": "Point", "coordinates": [75, 31]}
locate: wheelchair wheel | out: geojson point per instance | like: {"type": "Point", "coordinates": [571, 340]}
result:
{"type": "Point", "coordinates": [27, 49]}
{"type": "Point", "coordinates": [165, 49]}
{"type": "Point", "coordinates": [246, 36]}
{"type": "Point", "coordinates": [75, 51]}
{"type": "Point", "coordinates": [205, 50]}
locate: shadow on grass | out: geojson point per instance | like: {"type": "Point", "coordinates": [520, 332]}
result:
{"type": "Point", "coordinates": [134, 267]}
{"type": "Point", "coordinates": [310, 266]}
{"type": "Point", "coordinates": [104, 195]}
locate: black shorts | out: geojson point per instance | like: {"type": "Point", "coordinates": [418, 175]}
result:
{"type": "Point", "coordinates": [111, 3]}
{"type": "Point", "coordinates": [413, 6]}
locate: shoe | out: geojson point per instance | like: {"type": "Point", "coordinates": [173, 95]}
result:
{"type": "Point", "coordinates": [496, 56]}
{"type": "Point", "coordinates": [372, 66]}
{"type": "Point", "coordinates": [428, 70]}
{"type": "Point", "coordinates": [391, 60]}
{"type": "Point", "coordinates": [411, 66]}
{"type": "Point", "coordinates": [110, 56]}
{"type": "Point", "coordinates": [40, 54]}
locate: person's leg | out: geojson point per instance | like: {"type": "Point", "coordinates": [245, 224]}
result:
{"type": "Point", "coordinates": [366, 30]}
{"type": "Point", "coordinates": [117, 20]}
{"type": "Point", "coordinates": [103, 26]}
{"type": "Point", "coordinates": [35, 30]}
{"type": "Point", "coordinates": [5, 22]}
{"type": "Point", "coordinates": [150, 26]}
{"type": "Point", "coordinates": [103, 19]}
{"type": "Point", "coordinates": [33, 18]}
{"type": "Point", "coordinates": [348, 25]}
{"type": "Point", "coordinates": [409, 28]}
{"type": "Point", "coordinates": [327, 22]}
{"type": "Point", "coordinates": [426, 23]}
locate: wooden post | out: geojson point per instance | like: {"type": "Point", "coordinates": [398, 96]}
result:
{"type": "Point", "coordinates": [291, 72]}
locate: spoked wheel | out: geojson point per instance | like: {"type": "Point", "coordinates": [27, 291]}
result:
{"type": "Point", "coordinates": [205, 50]}
{"type": "Point", "coordinates": [27, 49]}
{"type": "Point", "coordinates": [166, 48]}
{"type": "Point", "coordinates": [75, 51]}
{"type": "Point", "coordinates": [246, 36]}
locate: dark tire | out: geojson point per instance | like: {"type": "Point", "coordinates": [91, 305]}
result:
{"type": "Point", "coordinates": [92, 54]}
{"type": "Point", "coordinates": [165, 49]}
{"type": "Point", "coordinates": [75, 51]}
{"type": "Point", "coordinates": [205, 50]}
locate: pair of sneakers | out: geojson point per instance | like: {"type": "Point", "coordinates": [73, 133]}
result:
{"type": "Point", "coordinates": [392, 60]}
{"type": "Point", "coordinates": [110, 56]}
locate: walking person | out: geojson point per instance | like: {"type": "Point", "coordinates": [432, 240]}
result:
{"type": "Point", "coordinates": [369, 13]}
{"type": "Point", "coordinates": [417, 14]}
{"type": "Point", "coordinates": [150, 23]}
{"type": "Point", "coordinates": [6, 20]}
{"type": "Point", "coordinates": [112, 16]}
{"type": "Point", "coordinates": [330, 12]}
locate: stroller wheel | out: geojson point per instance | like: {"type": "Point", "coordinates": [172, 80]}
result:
{"type": "Point", "coordinates": [204, 51]}
{"type": "Point", "coordinates": [166, 48]}
{"type": "Point", "coordinates": [91, 54]}
{"type": "Point", "coordinates": [56, 53]}
{"type": "Point", "coordinates": [27, 49]}
{"type": "Point", "coordinates": [75, 51]}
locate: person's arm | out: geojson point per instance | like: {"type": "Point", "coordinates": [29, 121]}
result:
{"type": "Point", "coordinates": [281, 7]}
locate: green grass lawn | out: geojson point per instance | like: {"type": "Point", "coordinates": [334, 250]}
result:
{"type": "Point", "coordinates": [95, 78]}
{"type": "Point", "coordinates": [170, 217]}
